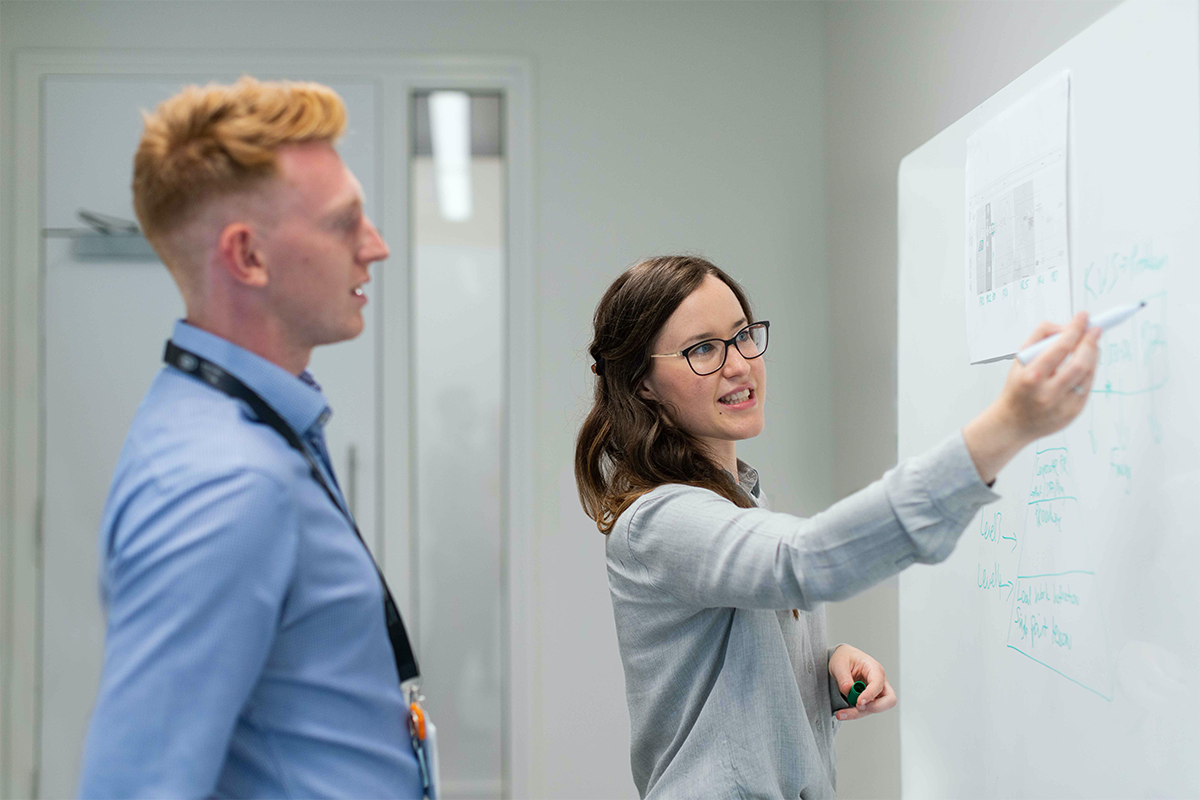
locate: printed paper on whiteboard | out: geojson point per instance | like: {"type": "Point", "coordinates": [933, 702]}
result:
{"type": "Point", "coordinates": [1017, 249]}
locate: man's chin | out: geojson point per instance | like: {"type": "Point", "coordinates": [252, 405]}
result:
{"type": "Point", "coordinates": [336, 337]}
{"type": "Point", "coordinates": [351, 330]}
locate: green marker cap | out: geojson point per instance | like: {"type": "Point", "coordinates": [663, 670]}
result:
{"type": "Point", "coordinates": [852, 696]}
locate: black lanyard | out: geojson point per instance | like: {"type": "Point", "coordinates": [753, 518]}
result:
{"type": "Point", "coordinates": [222, 381]}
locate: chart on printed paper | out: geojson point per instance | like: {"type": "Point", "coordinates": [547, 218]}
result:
{"type": "Point", "coordinates": [1017, 246]}
{"type": "Point", "coordinates": [1019, 224]}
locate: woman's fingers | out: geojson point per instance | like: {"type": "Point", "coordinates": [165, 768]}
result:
{"type": "Point", "coordinates": [1041, 397]}
{"type": "Point", "coordinates": [1082, 366]}
{"type": "Point", "coordinates": [873, 674]}
{"type": "Point", "coordinates": [875, 697]}
{"type": "Point", "coordinates": [1038, 399]}
{"type": "Point", "coordinates": [1053, 355]}
{"type": "Point", "coordinates": [885, 700]}
{"type": "Point", "coordinates": [848, 664]}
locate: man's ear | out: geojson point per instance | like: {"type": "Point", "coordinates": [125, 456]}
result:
{"type": "Point", "coordinates": [240, 255]}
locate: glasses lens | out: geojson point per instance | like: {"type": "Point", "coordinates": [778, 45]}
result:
{"type": "Point", "coordinates": [752, 341]}
{"type": "Point", "coordinates": [706, 357]}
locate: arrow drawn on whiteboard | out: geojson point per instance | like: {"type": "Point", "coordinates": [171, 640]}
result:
{"type": "Point", "coordinates": [1009, 585]}
{"type": "Point", "coordinates": [1013, 539]}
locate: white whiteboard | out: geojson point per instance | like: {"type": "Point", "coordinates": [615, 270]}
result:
{"type": "Point", "coordinates": [1057, 652]}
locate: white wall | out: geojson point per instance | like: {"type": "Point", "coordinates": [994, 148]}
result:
{"type": "Point", "coordinates": [657, 127]}
{"type": "Point", "coordinates": [897, 74]}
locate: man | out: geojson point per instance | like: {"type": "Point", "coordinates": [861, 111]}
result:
{"type": "Point", "coordinates": [247, 652]}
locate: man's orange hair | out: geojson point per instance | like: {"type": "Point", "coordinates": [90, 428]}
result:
{"type": "Point", "coordinates": [207, 142]}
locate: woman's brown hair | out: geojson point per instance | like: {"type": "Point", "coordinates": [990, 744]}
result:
{"type": "Point", "coordinates": [628, 444]}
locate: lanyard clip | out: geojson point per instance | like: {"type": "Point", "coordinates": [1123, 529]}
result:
{"type": "Point", "coordinates": [416, 713]}
{"type": "Point", "coordinates": [417, 730]}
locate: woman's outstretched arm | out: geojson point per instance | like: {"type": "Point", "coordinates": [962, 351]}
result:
{"type": "Point", "coordinates": [706, 552]}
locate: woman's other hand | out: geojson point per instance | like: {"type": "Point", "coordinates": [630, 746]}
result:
{"type": "Point", "coordinates": [849, 664]}
{"type": "Point", "coordinates": [1038, 398]}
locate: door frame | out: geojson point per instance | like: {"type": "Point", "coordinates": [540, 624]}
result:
{"type": "Point", "coordinates": [395, 79]}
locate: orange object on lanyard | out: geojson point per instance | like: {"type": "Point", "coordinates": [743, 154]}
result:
{"type": "Point", "coordinates": [416, 732]}
{"type": "Point", "coordinates": [416, 721]}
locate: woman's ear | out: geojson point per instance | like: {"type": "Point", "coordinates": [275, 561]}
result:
{"type": "Point", "coordinates": [645, 391]}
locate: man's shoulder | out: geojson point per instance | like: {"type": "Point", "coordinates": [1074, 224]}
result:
{"type": "Point", "coordinates": [185, 432]}
{"type": "Point", "coordinates": [196, 468]}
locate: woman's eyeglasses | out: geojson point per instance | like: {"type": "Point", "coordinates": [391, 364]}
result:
{"type": "Point", "coordinates": [708, 356]}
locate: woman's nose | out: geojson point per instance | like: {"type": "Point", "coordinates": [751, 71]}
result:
{"type": "Point", "coordinates": [735, 362]}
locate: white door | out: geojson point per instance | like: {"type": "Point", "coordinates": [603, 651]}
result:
{"type": "Point", "coordinates": [105, 321]}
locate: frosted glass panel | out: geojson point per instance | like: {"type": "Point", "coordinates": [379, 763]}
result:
{"type": "Point", "coordinates": [459, 358]}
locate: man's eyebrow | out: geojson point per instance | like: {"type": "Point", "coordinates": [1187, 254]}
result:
{"type": "Point", "coordinates": [350, 206]}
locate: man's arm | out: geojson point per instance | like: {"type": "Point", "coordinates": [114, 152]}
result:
{"type": "Point", "coordinates": [196, 581]}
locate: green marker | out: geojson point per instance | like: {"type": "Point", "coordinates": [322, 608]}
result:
{"type": "Point", "coordinates": [858, 688]}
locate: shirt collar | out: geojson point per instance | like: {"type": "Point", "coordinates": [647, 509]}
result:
{"type": "Point", "coordinates": [299, 400]}
{"type": "Point", "coordinates": [748, 478]}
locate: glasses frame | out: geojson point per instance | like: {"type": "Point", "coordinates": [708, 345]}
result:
{"type": "Point", "coordinates": [766, 325]}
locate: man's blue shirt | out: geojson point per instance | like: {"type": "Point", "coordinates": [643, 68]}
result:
{"type": "Point", "coordinates": [246, 653]}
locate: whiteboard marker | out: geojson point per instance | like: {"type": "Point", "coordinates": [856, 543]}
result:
{"type": "Point", "coordinates": [1114, 316]}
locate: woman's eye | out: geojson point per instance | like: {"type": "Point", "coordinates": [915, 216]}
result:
{"type": "Point", "coordinates": [744, 336]}
{"type": "Point", "coordinates": [704, 349]}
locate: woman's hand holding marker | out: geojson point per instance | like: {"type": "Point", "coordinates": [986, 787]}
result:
{"type": "Point", "coordinates": [849, 664]}
{"type": "Point", "coordinates": [1038, 398]}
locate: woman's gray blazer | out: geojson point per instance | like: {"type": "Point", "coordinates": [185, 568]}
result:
{"type": "Point", "coordinates": [729, 695]}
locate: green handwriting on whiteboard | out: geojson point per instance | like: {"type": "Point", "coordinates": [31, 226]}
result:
{"type": "Point", "coordinates": [1055, 617]}
{"type": "Point", "coordinates": [1100, 279]}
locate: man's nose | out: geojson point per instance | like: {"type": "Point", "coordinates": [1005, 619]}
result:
{"type": "Point", "coordinates": [374, 247]}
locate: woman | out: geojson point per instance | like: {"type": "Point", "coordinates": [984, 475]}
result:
{"type": "Point", "coordinates": [717, 600]}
